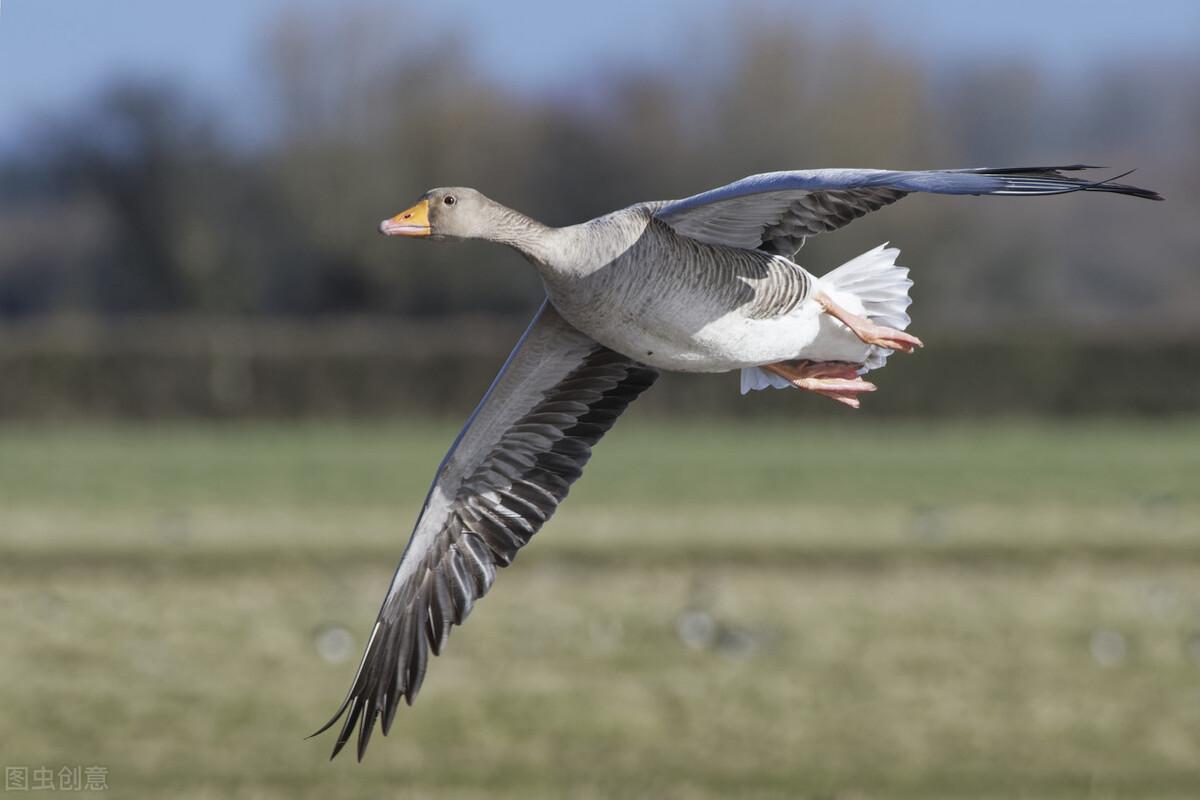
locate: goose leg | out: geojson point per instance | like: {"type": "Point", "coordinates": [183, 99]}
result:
{"type": "Point", "coordinates": [833, 379]}
{"type": "Point", "coordinates": [866, 330]}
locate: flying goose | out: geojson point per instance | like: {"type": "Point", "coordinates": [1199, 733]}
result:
{"type": "Point", "coordinates": [702, 284]}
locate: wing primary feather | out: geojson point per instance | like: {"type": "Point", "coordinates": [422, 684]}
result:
{"type": "Point", "coordinates": [389, 712]}
{"type": "Point", "coordinates": [404, 644]}
{"type": "Point", "coordinates": [367, 727]}
{"type": "Point", "coordinates": [389, 699]}
{"type": "Point", "coordinates": [418, 660]}
{"type": "Point", "coordinates": [441, 611]}
{"type": "Point", "coordinates": [355, 684]}
{"type": "Point", "coordinates": [347, 727]}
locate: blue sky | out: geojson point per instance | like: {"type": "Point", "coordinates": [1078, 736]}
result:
{"type": "Point", "coordinates": [55, 52]}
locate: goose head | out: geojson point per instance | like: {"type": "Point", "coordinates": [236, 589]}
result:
{"type": "Point", "coordinates": [449, 213]}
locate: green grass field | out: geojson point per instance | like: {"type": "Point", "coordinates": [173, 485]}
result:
{"type": "Point", "coordinates": [855, 610]}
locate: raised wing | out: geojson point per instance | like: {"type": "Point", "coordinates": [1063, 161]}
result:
{"type": "Point", "coordinates": [505, 474]}
{"type": "Point", "coordinates": [776, 211]}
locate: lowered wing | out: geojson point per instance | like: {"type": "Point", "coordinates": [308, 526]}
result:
{"type": "Point", "coordinates": [512, 464]}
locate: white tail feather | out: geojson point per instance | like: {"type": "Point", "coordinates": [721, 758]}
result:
{"type": "Point", "coordinates": [754, 379]}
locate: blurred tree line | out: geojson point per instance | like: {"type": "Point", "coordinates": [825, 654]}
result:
{"type": "Point", "coordinates": [142, 201]}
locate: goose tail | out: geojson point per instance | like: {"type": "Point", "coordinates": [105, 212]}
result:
{"type": "Point", "coordinates": [879, 284]}
{"type": "Point", "coordinates": [882, 286]}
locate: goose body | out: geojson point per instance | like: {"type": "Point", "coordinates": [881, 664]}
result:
{"type": "Point", "coordinates": [675, 303]}
{"type": "Point", "coordinates": [635, 285]}
{"type": "Point", "coordinates": [707, 283]}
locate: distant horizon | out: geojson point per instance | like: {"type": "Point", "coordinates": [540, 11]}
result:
{"type": "Point", "coordinates": [54, 54]}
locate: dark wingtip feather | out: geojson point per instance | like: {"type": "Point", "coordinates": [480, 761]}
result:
{"type": "Point", "coordinates": [332, 720]}
{"type": "Point", "coordinates": [1029, 170]}
{"type": "Point", "coordinates": [367, 728]}
{"type": "Point", "coordinates": [1108, 185]}
{"type": "Point", "coordinates": [352, 701]}
{"type": "Point", "coordinates": [390, 706]}
{"type": "Point", "coordinates": [328, 724]}
{"type": "Point", "coordinates": [1132, 191]}
{"type": "Point", "coordinates": [1050, 180]}
{"type": "Point", "coordinates": [348, 728]}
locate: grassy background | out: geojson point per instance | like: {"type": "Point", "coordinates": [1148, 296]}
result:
{"type": "Point", "coordinates": [848, 609]}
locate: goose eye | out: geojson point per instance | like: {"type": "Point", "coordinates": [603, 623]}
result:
{"type": "Point", "coordinates": [449, 200]}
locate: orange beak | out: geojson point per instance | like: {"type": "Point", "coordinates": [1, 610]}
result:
{"type": "Point", "coordinates": [413, 222]}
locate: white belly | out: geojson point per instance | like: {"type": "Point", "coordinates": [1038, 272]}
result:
{"type": "Point", "coordinates": [734, 341]}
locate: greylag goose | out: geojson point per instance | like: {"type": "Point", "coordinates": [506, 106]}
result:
{"type": "Point", "coordinates": [703, 284]}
